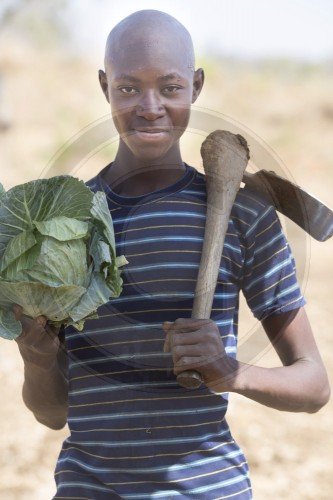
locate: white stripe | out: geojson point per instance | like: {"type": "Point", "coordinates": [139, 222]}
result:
{"type": "Point", "coordinates": [147, 442]}
{"type": "Point", "coordinates": [176, 467]}
{"type": "Point", "coordinates": [173, 215]}
{"type": "Point", "coordinates": [123, 415]}
{"type": "Point", "coordinates": [269, 274]}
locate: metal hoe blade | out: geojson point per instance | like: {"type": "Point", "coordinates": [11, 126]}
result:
{"type": "Point", "coordinates": [292, 201]}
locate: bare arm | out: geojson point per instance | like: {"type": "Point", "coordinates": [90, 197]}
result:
{"type": "Point", "coordinates": [301, 384]}
{"type": "Point", "coordinates": [45, 388]}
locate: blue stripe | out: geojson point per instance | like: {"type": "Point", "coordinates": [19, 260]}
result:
{"type": "Point", "coordinates": [147, 442]}
{"type": "Point", "coordinates": [170, 265]}
{"type": "Point", "coordinates": [168, 295]}
{"type": "Point", "coordinates": [88, 333]}
{"type": "Point", "coordinates": [246, 208]}
{"type": "Point", "coordinates": [86, 486]}
{"type": "Point", "coordinates": [123, 415]}
{"type": "Point", "coordinates": [258, 220]}
{"type": "Point", "coordinates": [121, 387]}
{"type": "Point", "coordinates": [134, 359]}
{"type": "Point", "coordinates": [265, 246]}
{"type": "Point", "coordinates": [163, 215]}
{"type": "Point", "coordinates": [158, 239]}
{"type": "Point", "coordinates": [193, 491]}
{"type": "Point", "coordinates": [176, 467]}
{"type": "Point", "coordinates": [278, 296]}
{"type": "Point", "coordinates": [158, 494]}
{"type": "Point", "coordinates": [269, 273]}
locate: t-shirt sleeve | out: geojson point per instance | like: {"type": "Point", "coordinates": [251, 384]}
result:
{"type": "Point", "coordinates": [270, 284]}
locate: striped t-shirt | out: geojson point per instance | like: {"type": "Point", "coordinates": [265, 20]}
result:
{"type": "Point", "coordinates": [134, 433]}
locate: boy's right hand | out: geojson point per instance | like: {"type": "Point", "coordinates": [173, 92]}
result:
{"type": "Point", "coordinates": [39, 342]}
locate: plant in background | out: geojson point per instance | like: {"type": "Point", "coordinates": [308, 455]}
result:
{"type": "Point", "coordinates": [57, 253]}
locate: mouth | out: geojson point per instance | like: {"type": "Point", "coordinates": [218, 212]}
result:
{"type": "Point", "coordinates": [150, 130]}
{"type": "Point", "coordinates": [150, 133]}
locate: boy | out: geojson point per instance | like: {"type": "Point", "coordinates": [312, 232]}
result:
{"type": "Point", "coordinates": [135, 434]}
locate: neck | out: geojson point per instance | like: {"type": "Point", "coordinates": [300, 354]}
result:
{"type": "Point", "coordinates": [130, 176]}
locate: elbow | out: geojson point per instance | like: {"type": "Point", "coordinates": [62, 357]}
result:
{"type": "Point", "coordinates": [54, 424]}
{"type": "Point", "coordinates": [51, 417]}
{"type": "Point", "coordinates": [320, 398]}
{"type": "Point", "coordinates": [55, 420]}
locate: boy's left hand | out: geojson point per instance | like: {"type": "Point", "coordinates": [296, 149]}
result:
{"type": "Point", "coordinates": [195, 344]}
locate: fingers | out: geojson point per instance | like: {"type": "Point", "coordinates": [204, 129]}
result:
{"type": "Point", "coordinates": [167, 343]}
{"type": "Point", "coordinates": [184, 346]}
{"type": "Point", "coordinates": [189, 332]}
{"type": "Point", "coordinates": [193, 344]}
{"type": "Point", "coordinates": [35, 332]}
{"type": "Point", "coordinates": [184, 325]}
{"type": "Point", "coordinates": [38, 343]}
{"type": "Point", "coordinates": [180, 332]}
{"type": "Point", "coordinates": [197, 345]}
{"type": "Point", "coordinates": [41, 320]}
{"type": "Point", "coordinates": [18, 312]}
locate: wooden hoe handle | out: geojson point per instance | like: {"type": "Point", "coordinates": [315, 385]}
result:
{"type": "Point", "coordinates": [225, 156]}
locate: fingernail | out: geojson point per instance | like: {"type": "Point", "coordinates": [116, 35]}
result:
{"type": "Point", "coordinates": [167, 325]}
{"type": "Point", "coordinates": [41, 320]}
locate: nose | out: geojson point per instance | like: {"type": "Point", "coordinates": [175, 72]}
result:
{"type": "Point", "coordinates": [150, 106]}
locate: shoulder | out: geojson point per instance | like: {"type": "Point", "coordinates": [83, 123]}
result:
{"type": "Point", "coordinates": [96, 183]}
{"type": "Point", "coordinates": [251, 213]}
{"type": "Point", "coordinates": [248, 204]}
{"type": "Point", "coordinates": [251, 202]}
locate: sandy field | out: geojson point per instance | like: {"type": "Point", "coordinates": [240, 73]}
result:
{"type": "Point", "coordinates": [49, 100]}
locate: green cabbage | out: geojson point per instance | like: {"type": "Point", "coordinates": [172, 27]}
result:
{"type": "Point", "coordinates": [57, 253]}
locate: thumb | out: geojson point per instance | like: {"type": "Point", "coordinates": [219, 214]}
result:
{"type": "Point", "coordinates": [17, 310]}
{"type": "Point", "coordinates": [167, 344]}
{"type": "Point", "coordinates": [166, 326]}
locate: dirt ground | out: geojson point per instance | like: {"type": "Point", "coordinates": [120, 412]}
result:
{"type": "Point", "coordinates": [290, 107]}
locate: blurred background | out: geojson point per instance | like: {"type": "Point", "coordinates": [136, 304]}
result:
{"type": "Point", "coordinates": [269, 69]}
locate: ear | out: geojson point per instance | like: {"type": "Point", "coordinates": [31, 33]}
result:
{"type": "Point", "coordinates": [198, 81]}
{"type": "Point", "coordinates": [104, 84]}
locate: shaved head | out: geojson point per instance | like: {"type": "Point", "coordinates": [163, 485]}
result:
{"type": "Point", "coordinates": [150, 82]}
{"type": "Point", "coordinates": [150, 28]}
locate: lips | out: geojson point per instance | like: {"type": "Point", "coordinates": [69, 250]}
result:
{"type": "Point", "coordinates": [151, 134]}
{"type": "Point", "coordinates": [154, 130]}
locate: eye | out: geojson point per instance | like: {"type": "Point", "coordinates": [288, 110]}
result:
{"type": "Point", "coordinates": [128, 90]}
{"type": "Point", "coordinates": [171, 89]}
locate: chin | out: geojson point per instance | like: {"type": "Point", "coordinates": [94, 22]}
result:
{"type": "Point", "coordinates": [150, 155]}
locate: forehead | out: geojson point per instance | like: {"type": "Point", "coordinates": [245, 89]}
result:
{"type": "Point", "coordinates": [132, 60]}
{"type": "Point", "coordinates": [141, 49]}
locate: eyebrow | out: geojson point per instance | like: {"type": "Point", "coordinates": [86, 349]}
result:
{"type": "Point", "coordinates": [129, 78]}
{"type": "Point", "coordinates": [163, 78]}
{"type": "Point", "coordinates": [170, 76]}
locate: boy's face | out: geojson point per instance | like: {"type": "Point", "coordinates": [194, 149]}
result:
{"type": "Point", "coordinates": [151, 85]}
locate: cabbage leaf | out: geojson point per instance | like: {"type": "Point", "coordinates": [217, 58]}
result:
{"type": "Point", "coordinates": [57, 253]}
